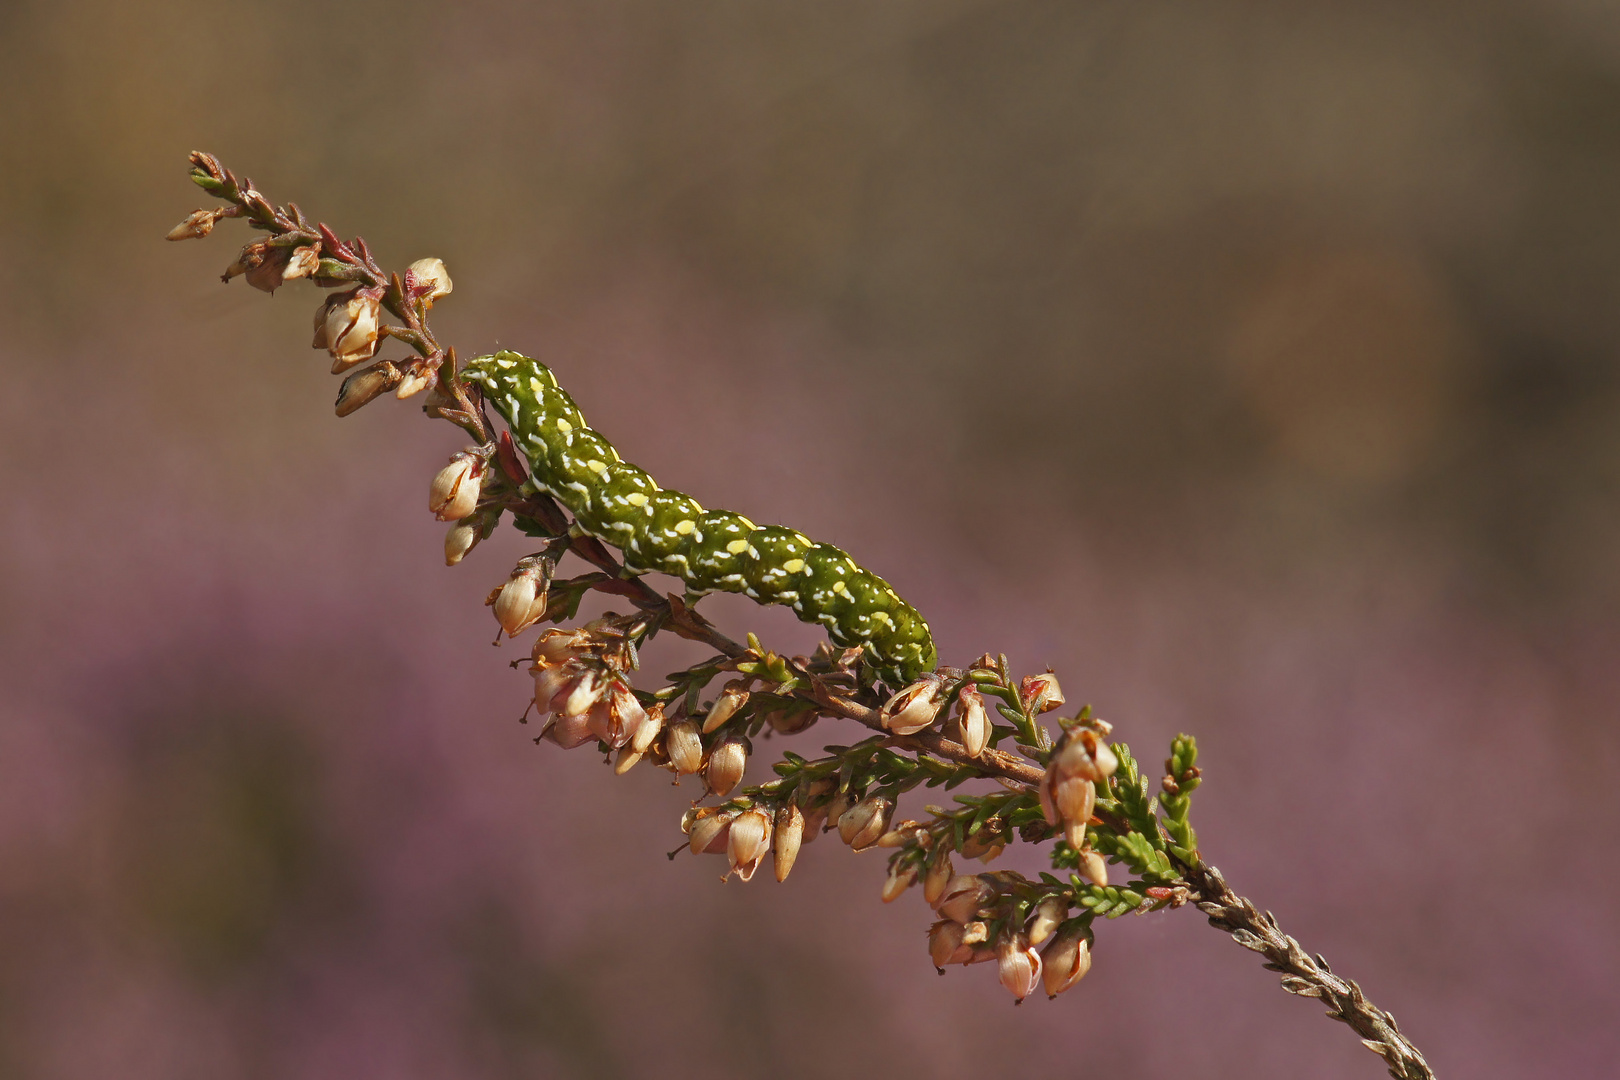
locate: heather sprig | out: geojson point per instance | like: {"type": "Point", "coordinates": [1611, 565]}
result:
{"type": "Point", "coordinates": [1116, 845]}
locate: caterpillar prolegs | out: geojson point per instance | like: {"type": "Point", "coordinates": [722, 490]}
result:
{"type": "Point", "coordinates": [710, 550]}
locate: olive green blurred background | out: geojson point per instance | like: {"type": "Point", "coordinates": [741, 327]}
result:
{"type": "Point", "coordinates": [1254, 365]}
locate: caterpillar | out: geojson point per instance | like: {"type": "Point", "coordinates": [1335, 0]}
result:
{"type": "Point", "coordinates": [658, 529]}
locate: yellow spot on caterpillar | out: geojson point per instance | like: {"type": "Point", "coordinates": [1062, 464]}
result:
{"type": "Point", "coordinates": [597, 467]}
{"type": "Point", "coordinates": [737, 547]}
{"type": "Point", "coordinates": [536, 385]}
{"type": "Point", "coordinates": [803, 539]}
{"type": "Point", "coordinates": [793, 566]}
{"type": "Point", "coordinates": [636, 498]}
{"type": "Point", "coordinates": [841, 588]}
{"type": "Point", "coordinates": [685, 526]}
{"type": "Point", "coordinates": [746, 523]}
{"type": "Point", "coordinates": [564, 426]}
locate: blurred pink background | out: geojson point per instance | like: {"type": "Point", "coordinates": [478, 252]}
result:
{"type": "Point", "coordinates": [1253, 365]}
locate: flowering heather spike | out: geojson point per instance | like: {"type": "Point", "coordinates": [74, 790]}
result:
{"type": "Point", "coordinates": [582, 499]}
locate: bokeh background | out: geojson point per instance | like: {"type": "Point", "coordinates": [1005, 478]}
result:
{"type": "Point", "coordinates": [1252, 364]}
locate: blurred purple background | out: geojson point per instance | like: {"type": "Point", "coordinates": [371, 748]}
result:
{"type": "Point", "coordinates": [1253, 365]}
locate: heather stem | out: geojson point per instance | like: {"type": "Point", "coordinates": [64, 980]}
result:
{"type": "Point", "coordinates": [1302, 974]}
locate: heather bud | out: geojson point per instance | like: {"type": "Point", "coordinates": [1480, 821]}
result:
{"type": "Point", "coordinates": [945, 944]}
{"type": "Point", "coordinates": [963, 897]}
{"type": "Point", "coordinates": [940, 873]}
{"type": "Point", "coordinates": [198, 224]}
{"type": "Point", "coordinates": [837, 807]}
{"type": "Point", "coordinates": [731, 699]}
{"type": "Point", "coordinates": [521, 602]}
{"type": "Point", "coordinates": [364, 386]}
{"type": "Point", "coordinates": [684, 747]}
{"type": "Point", "coordinates": [901, 877]}
{"type": "Point", "coordinates": [974, 722]}
{"type": "Point", "coordinates": [347, 326]}
{"type": "Point", "coordinates": [428, 279]}
{"type": "Point", "coordinates": [1040, 693]}
{"type": "Point", "coordinates": [914, 708]}
{"type": "Point", "coordinates": [750, 839]}
{"type": "Point", "coordinates": [411, 385]}
{"type": "Point", "coordinates": [726, 764]}
{"type": "Point", "coordinates": [1081, 753]}
{"type": "Point", "coordinates": [864, 823]}
{"type": "Point", "coordinates": [462, 538]}
{"type": "Point", "coordinates": [641, 739]}
{"type": "Point", "coordinates": [570, 730]}
{"type": "Point", "coordinates": [1049, 914]}
{"type": "Point", "coordinates": [454, 491]}
{"type": "Point", "coordinates": [1066, 960]}
{"type": "Point", "coordinates": [789, 834]}
{"type": "Point", "coordinates": [1019, 968]}
{"type": "Point", "coordinates": [626, 760]}
{"type": "Point", "coordinates": [1093, 869]}
{"type": "Point", "coordinates": [710, 834]}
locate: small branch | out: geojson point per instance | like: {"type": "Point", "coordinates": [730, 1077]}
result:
{"type": "Point", "coordinates": [1304, 975]}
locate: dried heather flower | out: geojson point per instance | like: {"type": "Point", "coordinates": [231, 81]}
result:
{"type": "Point", "coordinates": [462, 538]}
{"type": "Point", "coordinates": [347, 326]}
{"type": "Point", "coordinates": [302, 263]}
{"type": "Point", "coordinates": [863, 824]}
{"type": "Point", "coordinates": [626, 760]}
{"type": "Point", "coordinates": [732, 698]}
{"type": "Point", "coordinates": [940, 873]}
{"type": "Point", "coordinates": [973, 722]}
{"type": "Point", "coordinates": [411, 385]}
{"type": "Point", "coordinates": [789, 834]}
{"type": "Point", "coordinates": [364, 386]}
{"type": "Point", "coordinates": [625, 715]}
{"type": "Point", "coordinates": [428, 279]}
{"type": "Point", "coordinates": [710, 833]}
{"type": "Point", "coordinates": [1049, 914]}
{"type": "Point", "coordinates": [748, 842]}
{"type": "Point", "coordinates": [963, 897]}
{"type": "Point", "coordinates": [1040, 693]}
{"type": "Point", "coordinates": [570, 730]}
{"type": "Point", "coordinates": [1066, 960]}
{"type": "Point", "coordinates": [1093, 869]}
{"type": "Point", "coordinates": [647, 731]}
{"type": "Point", "coordinates": [914, 708]}
{"type": "Point", "coordinates": [726, 764]}
{"type": "Point", "coordinates": [836, 808]}
{"type": "Point", "coordinates": [521, 602]}
{"type": "Point", "coordinates": [549, 680]}
{"type": "Point", "coordinates": [1081, 753]}
{"type": "Point", "coordinates": [557, 646]}
{"type": "Point", "coordinates": [902, 875]}
{"type": "Point", "coordinates": [945, 944]}
{"type": "Point", "coordinates": [454, 491]}
{"type": "Point", "coordinates": [198, 224]}
{"type": "Point", "coordinates": [684, 747]}
{"type": "Point", "coordinates": [1019, 967]}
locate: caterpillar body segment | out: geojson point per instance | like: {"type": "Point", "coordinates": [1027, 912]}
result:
{"type": "Point", "coordinates": [667, 531]}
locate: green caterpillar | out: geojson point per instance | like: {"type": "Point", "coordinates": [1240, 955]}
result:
{"type": "Point", "coordinates": [710, 550]}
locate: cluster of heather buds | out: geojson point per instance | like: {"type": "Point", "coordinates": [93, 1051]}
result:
{"type": "Point", "coordinates": [582, 698]}
{"type": "Point", "coordinates": [972, 908]}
